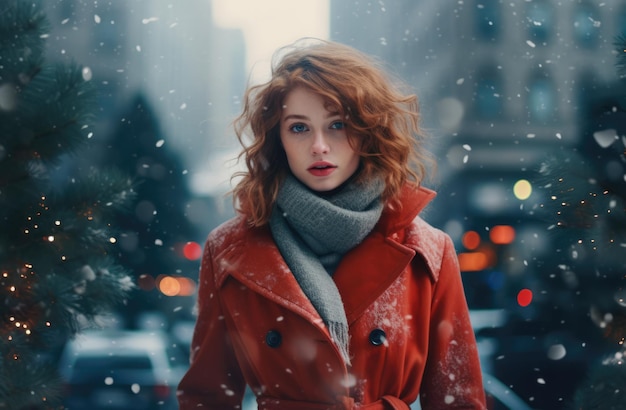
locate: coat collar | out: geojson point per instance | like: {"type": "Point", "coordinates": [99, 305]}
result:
{"type": "Point", "coordinates": [255, 261]}
{"type": "Point", "coordinates": [363, 274]}
{"type": "Point", "coordinates": [413, 201]}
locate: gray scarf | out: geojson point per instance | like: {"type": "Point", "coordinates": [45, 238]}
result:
{"type": "Point", "coordinates": [313, 231]}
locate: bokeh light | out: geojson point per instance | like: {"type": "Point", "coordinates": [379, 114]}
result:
{"type": "Point", "coordinates": [176, 285]}
{"type": "Point", "coordinates": [192, 251]}
{"type": "Point", "coordinates": [522, 189]}
{"type": "Point", "coordinates": [524, 297]}
{"type": "Point", "coordinates": [169, 286]}
{"type": "Point", "coordinates": [471, 240]}
{"type": "Point", "coordinates": [502, 234]}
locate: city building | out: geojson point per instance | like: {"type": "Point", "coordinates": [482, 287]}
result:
{"type": "Point", "coordinates": [502, 85]}
{"type": "Point", "coordinates": [191, 71]}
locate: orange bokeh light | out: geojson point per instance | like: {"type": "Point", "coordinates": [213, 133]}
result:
{"type": "Point", "coordinates": [502, 234]}
{"type": "Point", "coordinates": [471, 240]}
{"type": "Point", "coordinates": [169, 286]}
{"type": "Point", "coordinates": [187, 286]}
{"type": "Point", "coordinates": [473, 261]}
{"type": "Point", "coordinates": [176, 285]}
{"type": "Point", "coordinates": [482, 258]}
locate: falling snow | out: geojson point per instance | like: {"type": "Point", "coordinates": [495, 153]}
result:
{"type": "Point", "coordinates": [533, 52]}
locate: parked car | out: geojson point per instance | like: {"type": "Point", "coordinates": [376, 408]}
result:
{"type": "Point", "coordinates": [117, 369]}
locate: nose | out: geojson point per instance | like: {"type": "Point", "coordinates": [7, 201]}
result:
{"type": "Point", "coordinates": [319, 144]}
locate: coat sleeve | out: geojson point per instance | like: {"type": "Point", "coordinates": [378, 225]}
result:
{"type": "Point", "coordinates": [213, 380]}
{"type": "Point", "coordinates": [452, 376]}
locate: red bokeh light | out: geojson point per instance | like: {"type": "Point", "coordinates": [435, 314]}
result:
{"type": "Point", "coordinates": [524, 297]}
{"type": "Point", "coordinates": [192, 251]}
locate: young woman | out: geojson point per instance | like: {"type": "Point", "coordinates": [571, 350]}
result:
{"type": "Point", "coordinates": [328, 291]}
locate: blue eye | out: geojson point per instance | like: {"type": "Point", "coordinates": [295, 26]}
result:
{"type": "Point", "coordinates": [337, 125]}
{"type": "Point", "coordinates": [298, 128]}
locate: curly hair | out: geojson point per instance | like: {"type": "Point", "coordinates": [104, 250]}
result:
{"type": "Point", "coordinates": [380, 119]}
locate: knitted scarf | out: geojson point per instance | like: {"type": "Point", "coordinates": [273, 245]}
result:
{"type": "Point", "coordinates": [313, 231]}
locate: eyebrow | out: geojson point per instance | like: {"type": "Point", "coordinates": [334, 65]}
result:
{"type": "Point", "coordinates": [304, 117]}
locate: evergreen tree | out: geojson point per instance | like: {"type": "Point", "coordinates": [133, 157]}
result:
{"type": "Point", "coordinates": [56, 269]}
{"type": "Point", "coordinates": [154, 234]}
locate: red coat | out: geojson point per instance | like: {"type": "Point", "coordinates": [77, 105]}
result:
{"type": "Point", "coordinates": [410, 332]}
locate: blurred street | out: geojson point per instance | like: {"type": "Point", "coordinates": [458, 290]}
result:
{"type": "Point", "coordinates": [525, 107]}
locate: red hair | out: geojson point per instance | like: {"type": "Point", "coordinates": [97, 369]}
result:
{"type": "Point", "coordinates": [379, 118]}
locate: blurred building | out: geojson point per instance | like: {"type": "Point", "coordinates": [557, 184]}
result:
{"type": "Point", "coordinates": [501, 86]}
{"type": "Point", "coordinates": [191, 71]}
{"type": "Point", "coordinates": [491, 73]}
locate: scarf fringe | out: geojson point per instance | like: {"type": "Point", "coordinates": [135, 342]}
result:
{"type": "Point", "coordinates": [341, 338]}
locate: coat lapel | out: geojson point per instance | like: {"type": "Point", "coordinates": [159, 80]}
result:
{"type": "Point", "coordinates": [368, 270]}
{"type": "Point", "coordinates": [256, 262]}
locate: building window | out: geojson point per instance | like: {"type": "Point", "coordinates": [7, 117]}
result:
{"type": "Point", "coordinates": [489, 94]}
{"type": "Point", "coordinates": [487, 21]}
{"type": "Point", "coordinates": [586, 24]}
{"type": "Point", "coordinates": [540, 15]}
{"type": "Point", "coordinates": [542, 102]}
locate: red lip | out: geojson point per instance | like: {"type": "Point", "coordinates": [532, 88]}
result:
{"type": "Point", "coordinates": [321, 168]}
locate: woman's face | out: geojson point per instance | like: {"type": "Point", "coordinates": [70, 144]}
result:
{"type": "Point", "coordinates": [315, 141]}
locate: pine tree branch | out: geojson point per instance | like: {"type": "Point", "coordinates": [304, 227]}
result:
{"type": "Point", "coordinates": [56, 269]}
{"type": "Point", "coordinates": [22, 28]}
{"type": "Point", "coordinates": [62, 113]}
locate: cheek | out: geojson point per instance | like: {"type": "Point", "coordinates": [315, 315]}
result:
{"type": "Point", "coordinates": [353, 149]}
{"type": "Point", "coordinates": [355, 161]}
{"type": "Point", "coordinates": [291, 152]}
{"type": "Point", "coordinates": [354, 144]}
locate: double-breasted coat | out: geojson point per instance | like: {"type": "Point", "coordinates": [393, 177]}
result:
{"type": "Point", "coordinates": [409, 325]}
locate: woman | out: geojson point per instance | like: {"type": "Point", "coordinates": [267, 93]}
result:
{"type": "Point", "coordinates": [327, 291]}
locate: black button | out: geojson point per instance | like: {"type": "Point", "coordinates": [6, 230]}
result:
{"type": "Point", "coordinates": [377, 337]}
{"type": "Point", "coordinates": [273, 338]}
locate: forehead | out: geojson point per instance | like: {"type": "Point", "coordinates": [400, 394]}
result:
{"type": "Point", "coordinates": [300, 100]}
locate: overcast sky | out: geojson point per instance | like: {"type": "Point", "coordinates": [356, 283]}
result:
{"type": "Point", "coordinates": [270, 24]}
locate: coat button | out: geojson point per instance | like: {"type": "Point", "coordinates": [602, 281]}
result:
{"type": "Point", "coordinates": [273, 338]}
{"type": "Point", "coordinates": [378, 337]}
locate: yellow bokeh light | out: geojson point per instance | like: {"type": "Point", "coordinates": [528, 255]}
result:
{"type": "Point", "coordinates": [522, 189]}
